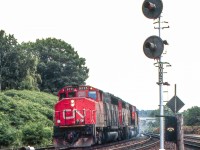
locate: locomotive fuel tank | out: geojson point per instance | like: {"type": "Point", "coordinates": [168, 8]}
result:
{"type": "Point", "coordinates": [111, 136]}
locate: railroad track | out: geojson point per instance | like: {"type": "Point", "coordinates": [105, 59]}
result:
{"type": "Point", "coordinates": [135, 143]}
{"type": "Point", "coordinates": [125, 145]}
{"type": "Point", "coordinates": [148, 141]}
{"type": "Point", "coordinates": [143, 142]}
{"type": "Point", "coordinates": [192, 141]}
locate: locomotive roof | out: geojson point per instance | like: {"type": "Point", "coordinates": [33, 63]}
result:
{"type": "Point", "coordinates": [106, 93]}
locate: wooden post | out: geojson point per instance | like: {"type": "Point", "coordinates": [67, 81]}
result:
{"type": "Point", "coordinates": [180, 132]}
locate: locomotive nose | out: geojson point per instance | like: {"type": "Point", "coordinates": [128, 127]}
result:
{"type": "Point", "coordinates": [65, 112]}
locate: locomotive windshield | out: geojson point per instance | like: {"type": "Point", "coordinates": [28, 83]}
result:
{"type": "Point", "coordinates": [81, 93]}
{"type": "Point", "coordinates": [92, 94]}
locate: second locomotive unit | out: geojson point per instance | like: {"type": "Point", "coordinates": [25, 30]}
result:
{"type": "Point", "coordinates": [85, 116]}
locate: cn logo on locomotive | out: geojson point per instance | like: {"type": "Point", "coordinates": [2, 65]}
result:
{"type": "Point", "coordinates": [74, 112]}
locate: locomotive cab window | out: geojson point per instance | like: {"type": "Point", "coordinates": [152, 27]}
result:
{"type": "Point", "coordinates": [81, 93]}
{"type": "Point", "coordinates": [72, 94]}
{"type": "Point", "coordinates": [92, 94]}
{"type": "Point", "coordinates": [62, 95]}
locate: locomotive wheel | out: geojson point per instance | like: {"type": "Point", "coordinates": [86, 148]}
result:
{"type": "Point", "coordinates": [120, 135]}
{"type": "Point", "coordinates": [125, 133]}
{"type": "Point", "coordinates": [100, 138]}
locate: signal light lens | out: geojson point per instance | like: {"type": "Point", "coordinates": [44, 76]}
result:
{"type": "Point", "coordinates": [152, 8]}
{"type": "Point", "coordinates": [149, 45]}
{"type": "Point", "coordinates": [153, 47]}
{"type": "Point", "coordinates": [149, 5]}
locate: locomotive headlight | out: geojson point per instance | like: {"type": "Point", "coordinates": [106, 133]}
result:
{"type": "Point", "coordinates": [81, 120]}
{"type": "Point", "coordinates": [58, 121]}
{"type": "Point", "coordinates": [72, 103]}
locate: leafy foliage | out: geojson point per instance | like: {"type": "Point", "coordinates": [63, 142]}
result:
{"type": "Point", "coordinates": [12, 58]}
{"type": "Point", "coordinates": [59, 65]}
{"type": "Point", "coordinates": [36, 134]}
{"type": "Point", "coordinates": [26, 117]}
{"type": "Point", "coordinates": [46, 65]}
{"type": "Point", "coordinates": [192, 116]}
{"type": "Point", "coordinates": [7, 134]}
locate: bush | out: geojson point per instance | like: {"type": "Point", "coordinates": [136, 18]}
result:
{"type": "Point", "coordinates": [36, 134]}
{"type": "Point", "coordinates": [7, 134]}
{"type": "Point", "coordinates": [26, 117]}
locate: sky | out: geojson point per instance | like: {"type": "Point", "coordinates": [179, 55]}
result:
{"type": "Point", "coordinates": [110, 34]}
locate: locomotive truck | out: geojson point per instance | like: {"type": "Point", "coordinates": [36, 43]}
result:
{"type": "Point", "coordinates": [85, 116]}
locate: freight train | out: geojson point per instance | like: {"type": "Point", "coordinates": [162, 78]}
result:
{"type": "Point", "coordinates": [85, 116]}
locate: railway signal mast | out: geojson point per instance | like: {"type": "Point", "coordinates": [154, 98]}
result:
{"type": "Point", "coordinates": [153, 48]}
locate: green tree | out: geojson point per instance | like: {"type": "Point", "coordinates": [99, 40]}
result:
{"type": "Point", "coordinates": [59, 65]}
{"type": "Point", "coordinates": [192, 116]}
{"type": "Point", "coordinates": [17, 66]}
{"type": "Point", "coordinates": [7, 44]}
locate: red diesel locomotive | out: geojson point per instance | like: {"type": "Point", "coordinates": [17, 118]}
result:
{"type": "Point", "coordinates": [85, 116]}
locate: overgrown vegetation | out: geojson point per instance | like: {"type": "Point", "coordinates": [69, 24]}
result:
{"type": "Point", "coordinates": [26, 118]}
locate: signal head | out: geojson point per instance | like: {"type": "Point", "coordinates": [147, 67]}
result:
{"type": "Point", "coordinates": [153, 47]}
{"type": "Point", "coordinates": [152, 8]}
